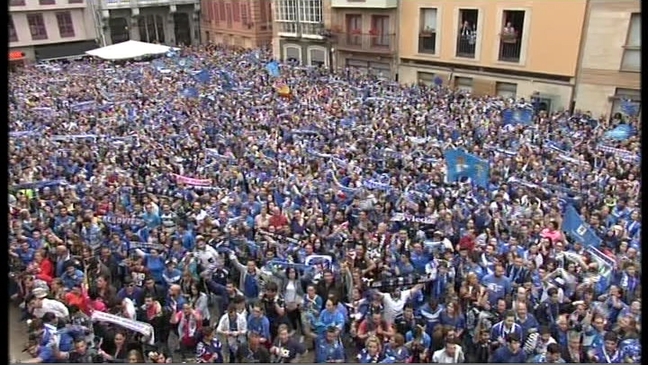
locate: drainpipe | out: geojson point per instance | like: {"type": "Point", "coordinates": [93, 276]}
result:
{"type": "Point", "coordinates": [396, 41]}
{"type": "Point", "coordinates": [581, 52]}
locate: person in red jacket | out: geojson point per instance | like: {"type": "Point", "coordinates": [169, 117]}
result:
{"type": "Point", "coordinates": [43, 267]}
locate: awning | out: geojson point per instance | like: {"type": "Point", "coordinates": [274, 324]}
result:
{"type": "Point", "coordinates": [16, 55]}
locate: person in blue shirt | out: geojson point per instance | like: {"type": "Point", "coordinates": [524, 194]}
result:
{"type": "Point", "coordinates": [329, 348]}
{"type": "Point", "coordinates": [526, 320]}
{"type": "Point", "coordinates": [396, 349]}
{"type": "Point", "coordinates": [171, 274]}
{"type": "Point", "coordinates": [609, 352]}
{"type": "Point", "coordinates": [505, 328]}
{"type": "Point", "coordinates": [259, 323]}
{"type": "Point", "coordinates": [151, 217]}
{"type": "Point", "coordinates": [510, 353]}
{"type": "Point", "coordinates": [419, 258]}
{"type": "Point", "coordinates": [497, 285]}
{"type": "Point", "coordinates": [330, 317]}
{"type": "Point", "coordinates": [553, 355]}
{"type": "Point", "coordinates": [40, 354]}
{"type": "Point", "coordinates": [72, 276]}
{"type": "Point", "coordinates": [154, 262]}
{"type": "Point", "coordinates": [431, 313]}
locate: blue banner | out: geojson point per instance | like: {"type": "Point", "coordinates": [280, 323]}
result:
{"type": "Point", "coordinates": [190, 93]}
{"type": "Point", "coordinates": [578, 230]}
{"type": "Point", "coordinates": [517, 116]}
{"type": "Point", "coordinates": [460, 164]}
{"type": "Point", "coordinates": [273, 68]}
{"type": "Point", "coordinates": [620, 132]}
{"type": "Point", "coordinates": [203, 77]}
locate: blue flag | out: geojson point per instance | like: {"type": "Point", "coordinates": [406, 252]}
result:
{"type": "Point", "coordinates": [578, 230]}
{"type": "Point", "coordinates": [620, 132]}
{"type": "Point", "coordinates": [227, 80]}
{"type": "Point", "coordinates": [460, 164]}
{"type": "Point", "coordinates": [185, 62]}
{"type": "Point", "coordinates": [630, 108]}
{"type": "Point", "coordinates": [273, 68]}
{"type": "Point", "coordinates": [517, 116]}
{"type": "Point", "coordinates": [203, 76]}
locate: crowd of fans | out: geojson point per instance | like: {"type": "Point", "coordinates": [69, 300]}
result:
{"type": "Point", "coordinates": [182, 208]}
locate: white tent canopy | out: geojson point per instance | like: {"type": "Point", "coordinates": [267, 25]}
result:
{"type": "Point", "coordinates": [129, 49]}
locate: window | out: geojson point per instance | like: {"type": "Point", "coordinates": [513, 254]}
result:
{"type": "Point", "coordinates": [215, 12]}
{"type": "Point", "coordinates": [286, 11]}
{"type": "Point", "coordinates": [47, 2]}
{"type": "Point", "coordinates": [207, 37]}
{"type": "Point", "coordinates": [292, 54]}
{"type": "Point", "coordinates": [632, 52]}
{"type": "Point", "coordinates": [263, 14]}
{"type": "Point", "coordinates": [221, 11]}
{"type": "Point", "coordinates": [13, 36]}
{"type": "Point", "coordinates": [17, 3]}
{"type": "Point", "coordinates": [467, 34]}
{"type": "Point", "coordinates": [151, 28]}
{"type": "Point", "coordinates": [379, 31]}
{"type": "Point", "coordinates": [236, 11]}
{"type": "Point", "coordinates": [317, 56]}
{"type": "Point", "coordinates": [426, 78]}
{"type": "Point", "coordinates": [245, 17]}
{"type": "Point", "coordinates": [511, 36]}
{"type": "Point", "coordinates": [207, 13]}
{"type": "Point", "coordinates": [65, 24]}
{"type": "Point", "coordinates": [506, 90]}
{"type": "Point", "coordinates": [428, 31]}
{"type": "Point", "coordinates": [354, 29]}
{"type": "Point", "coordinates": [118, 30]}
{"type": "Point", "coordinates": [463, 83]}
{"type": "Point", "coordinates": [37, 26]}
{"type": "Point", "coordinates": [310, 16]}
{"type": "Point", "coordinates": [75, 1]}
{"type": "Point", "coordinates": [228, 13]}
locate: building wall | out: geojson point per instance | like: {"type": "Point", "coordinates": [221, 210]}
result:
{"type": "Point", "coordinates": [255, 33]}
{"type": "Point", "coordinates": [82, 20]}
{"type": "Point", "coordinates": [599, 76]}
{"type": "Point", "coordinates": [550, 41]}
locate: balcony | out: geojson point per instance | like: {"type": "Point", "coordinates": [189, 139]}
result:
{"type": "Point", "coordinates": [510, 48]}
{"type": "Point", "coordinates": [126, 4]}
{"type": "Point", "coordinates": [365, 4]}
{"type": "Point", "coordinates": [362, 42]}
{"type": "Point", "coordinates": [427, 42]}
{"type": "Point", "coordinates": [37, 5]}
{"type": "Point", "coordinates": [466, 46]}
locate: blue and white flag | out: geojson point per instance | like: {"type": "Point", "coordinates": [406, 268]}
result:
{"type": "Point", "coordinates": [273, 68]}
{"type": "Point", "coordinates": [460, 163]}
{"type": "Point", "coordinates": [517, 116]}
{"type": "Point", "coordinates": [578, 230]}
{"type": "Point", "coordinates": [620, 132]}
{"type": "Point", "coordinates": [83, 106]}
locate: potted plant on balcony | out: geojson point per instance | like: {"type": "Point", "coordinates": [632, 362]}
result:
{"type": "Point", "coordinates": [356, 31]}
{"type": "Point", "coordinates": [427, 32]}
{"type": "Point", "coordinates": [373, 32]}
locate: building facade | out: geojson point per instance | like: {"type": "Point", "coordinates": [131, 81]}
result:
{"type": "Point", "coordinates": [169, 22]}
{"type": "Point", "coordinates": [300, 32]}
{"type": "Point", "coordinates": [50, 29]}
{"type": "Point", "coordinates": [610, 64]}
{"type": "Point", "coordinates": [244, 23]}
{"type": "Point", "coordinates": [511, 48]}
{"type": "Point", "coordinates": [364, 35]}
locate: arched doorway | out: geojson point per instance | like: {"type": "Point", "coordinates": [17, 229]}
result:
{"type": "Point", "coordinates": [151, 28]}
{"type": "Point", "coordinates": [118, 30]}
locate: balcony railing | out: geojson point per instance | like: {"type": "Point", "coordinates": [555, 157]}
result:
{"type": "Point", "coordinates": [510, 48]}
{"type": "Point", "coordinates": [365, 42]}
{"type": "Point", "coordinates": [427, 42]}
{"type": "Point", "coordinates": [466, 46]}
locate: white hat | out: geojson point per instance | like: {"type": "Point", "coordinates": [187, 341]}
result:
{"type": "Point", "coordinates": [39, 293]}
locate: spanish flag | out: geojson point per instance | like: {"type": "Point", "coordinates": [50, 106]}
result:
{"type": "Point", "coordinates": [282, 89]}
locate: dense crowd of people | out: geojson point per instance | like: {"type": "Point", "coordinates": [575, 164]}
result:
{"type": "Point", "coordinates": [196, 207]}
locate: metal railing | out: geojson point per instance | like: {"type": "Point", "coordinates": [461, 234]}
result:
{"type": "Point", "coordinates": [466, 45]}
{"type": "Point", "coordinates": [510, 48]}
{"type": "Point", "coordinates": [375, 43]}
{"type": "Point", "coordinates": [427, 42]}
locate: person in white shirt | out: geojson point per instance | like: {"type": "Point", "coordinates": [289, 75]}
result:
{"type": "Point", "coordinates": [395, 302]}
{"type": "Point", "coordinates": [451, 353]}
{"type": "Point", "coordinates": [233, 327]}
{"type": "Point", "coordinates": [39, 305]}
{"type": "Point", "coordinates": [205, 254]}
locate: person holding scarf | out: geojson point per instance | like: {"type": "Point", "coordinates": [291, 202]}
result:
{"type": "Point", "coordinates": [233, 327]}
{"type": "Point", "coordinates": [209, 349]}
{"type": "Point", "coordinates": [189, 324]}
